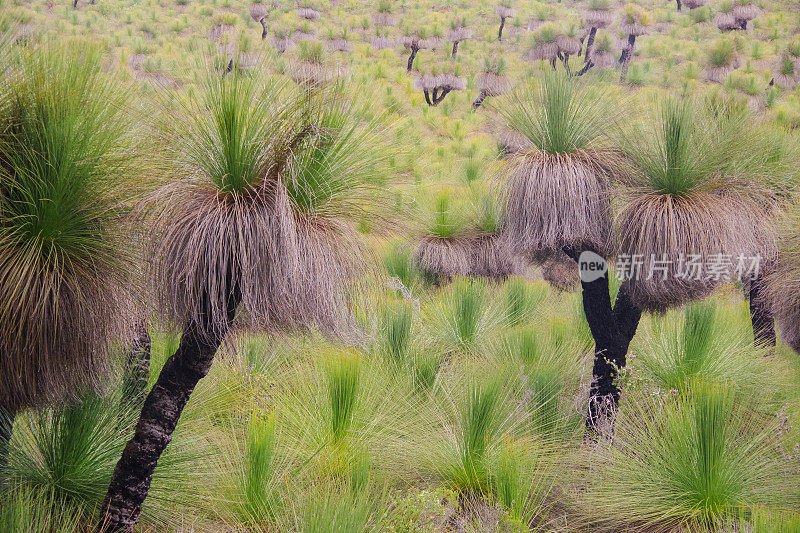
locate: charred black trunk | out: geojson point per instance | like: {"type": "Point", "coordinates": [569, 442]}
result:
{"type": "Point", "coordinates": [761, 315]}
{"type": "Point", "coordinates": [565, 60]}
{"type": "Point", "coordinates": [75, 3]}
{"type": "Point", "coordinates": [162, 408]}
{"type": "Point", "coordinates": [743, 25]}
{"type": "Point", "coordinates": [612, 329]}
{"type": "Point", "coordinates": [411, 59]}
{"type": "Point", "coordinates": [625, 57]}
{"type": "Point", "coordinates": [590, 42]}
{"type": "Point", "coordinates": [263, 22]}
{"type": "Point", "coordinates": [427, 96]}
{"type": "Point", "coordinates": [500, 31]}
{"type": "Point", "coordinates": [439, 97]}
{"type": "Point", "coordinates": [6, 429]}
{"type": "Point", "coordinates": [479, 100]}
{"type": "Point", "coordinates": [679, 5]}
{"type": "Point", "coordinates": [585, 68]}
{"type": "Point", "coordinates": [455, 48]}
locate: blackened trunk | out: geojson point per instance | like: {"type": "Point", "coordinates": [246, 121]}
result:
{"type": "Point", "coordinates": [263, 22]}
{"type": "Point", "coordinates": [585, 68]}
{"type": "Point", "coordinates": [612, 329]}
{"type": "Point", "coordinates": [590, 42]}
{"type": "Point", "coordinates": [455, 48]}
{"type": "Point", "coordinates": [6, 429]}
{"type": "Point", "coordinates": [162, 408]}
{"type": "Point", "coordinates": [500, 31]}
{"type": "Point", "coordinates": [411, 59]}
{"type": "Point", "coordinates": [761, 315]}
{"type": "Point", "coordinates": [438, 98]}
{"type": "Point", "coordinates": [743, 25]}
{"type": "Point", "coordinates": [625, 58]}
{"type": "Point", "coordinates": [565, 60]}
{"type": "Point", "coordinates": [427, 96]}
{"type": "Point", "coordinates": [75, 3]}
{"type": "Point", "coordinates": [553, 63]}
{"type": "Point", "coordinates": [479, 100]}
{"type": "Point", "coordinates": [679, 5]}
{"type": "Point", "coordinates": [137, 369]}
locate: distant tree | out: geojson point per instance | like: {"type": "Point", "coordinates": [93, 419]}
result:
{"type": "Point", "coordinates": [492, 82]}
{"type": "Point", "coordinates": [598, 16]}
{"type": "Point", "coordinates": [457, 33]}
{"type": "Point", "coordinates": [436, 86]}
{"type": "Point", "coordinates": [416, 41]}
{"type": "Point", "coordinates": [722, 60]}
{"type": "Point", "coordinates": [505, 11]}
{"type": "Point", "coordinates": [259, 13]}
{"type": "Point", "coordinates": [635, 22]}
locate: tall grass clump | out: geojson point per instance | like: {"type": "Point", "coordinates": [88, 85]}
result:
{"type": "Point", "coordinates": [399, 264]}
{"type": "Point", "coordinates": [396, 331]}
{"type": "Point", "coordinates": [521, 300]}
{"type": "Point", "coordinates": [342, 378]}
{"type": "Point", "coordinates": [693, 462]}
{"type": "Point", "coordinates": [259, 499]}
{"type": "Point", "coordinates": [464, 315]}
{"type": "Point", "coordinates": [702, 342]}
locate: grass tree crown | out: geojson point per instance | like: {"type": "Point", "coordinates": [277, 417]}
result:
{"type": "Point", "coordinates": [65, 191]}
{"type": "Point", "coordinates": [558, 182]}
{"type": "Point", "coordinates": [267, 176]}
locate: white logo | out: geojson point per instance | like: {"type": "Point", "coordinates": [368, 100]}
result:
{"type": "Point", "coordinates": [592, 266]}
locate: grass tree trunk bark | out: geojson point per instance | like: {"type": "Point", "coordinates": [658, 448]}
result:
{"type": "Point", "coordinates": [590, 42]}
{"type": "Point", "coordinates": [263, 22]}
{"type": "Point", "coordinates": [761, 315]}
{"type": "Point", "coordinates": [625, 58]}
{"type": "Point", "coordinates": [612, 329]}
{"type": "Point", "coordinates": [679, 5]}
{"type": "Point", "coordinates": [455, 48]}
{"type": "Point", "coordinates": [500, 31]}
{"type": "Point", "coordinates": [479, 100]}
{"type": "Point", "coordinates": [162, 408]}
{"type": "Point", "coordinates": [411, 59]}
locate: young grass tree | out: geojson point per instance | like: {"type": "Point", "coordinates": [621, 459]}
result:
{"type": "Point", "coordinates": [255, 220]}
{"type": "Point", "coordinates": [492, 82]}
{"type": "Point", "coordinates": [558, 198]}
{"type": "Point", "coordinates": [635, 23]}
{"type": "Point", "coordinates": [65, 254]}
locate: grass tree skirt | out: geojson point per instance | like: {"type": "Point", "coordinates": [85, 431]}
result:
{"type": "Point", "coordinates": [555, 201]}
{"type": "Point", "coordinates": [677, 239]}
{"type": "Point", "coordinates": [783, 288]}
{"type": "Point", "coordinates": [442, 259]}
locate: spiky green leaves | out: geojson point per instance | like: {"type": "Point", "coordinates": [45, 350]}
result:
{"type": "Point", "coordinates": [64, 166]}
{"type": "Point", "coordinates": [267, 174]}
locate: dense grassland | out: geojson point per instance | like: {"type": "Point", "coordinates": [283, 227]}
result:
{"type": "Point", "coordinates": [450, 403]}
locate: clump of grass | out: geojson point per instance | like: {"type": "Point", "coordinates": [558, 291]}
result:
{"type": "Point", "coordinates": [25, 510]}
{"type": "Point", "coordinates": [480, 418]}
{"type": "Point", "coordinates": [399, 264]}
{"type": "Point", "coordinates": [466, 312]}
{"type": "Point", "coordinates": [343, 379]}
{"type": "Point", "coordinates": [721, 54]}
{"type": "Point", "coordinates": [424, 370]}
{"type": "Point", "coordinates": [258, 498]}
{"type": "Point", "coordinates": [521, 300]}
{"type": "Point", "coordinates": [700, 342]}
{"type": "Point", "coordinates": [396, 332]}
{"type": "Point", "coordinates": [691, 463]}
{"type": "Point", "coordinates": [522, 482]}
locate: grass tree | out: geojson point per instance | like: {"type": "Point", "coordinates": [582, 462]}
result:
{"type": "Point", "coordinates": [722, 60]}
{"type": "Point", "coordinates": [254, 220]}
{"type": "Point", "coordinates": [701, 190]}
{"type": "Point", "coordinates": [416, 41]}
{"type": "Point", "coordinates": [457, 33]}
{"type": "Point", "coordinates": [504, 11]}
{"type": "Point", "coordinates": [558, 201]}
{"type": "Point", "coordinates": [635, 23]}
{"type": "Point", "coordinates": [544, 45]}
{"type": "Point", "coordinates": [783, 283]}
{"type": "Point", "coordinates": [492, 81]}
{"type": "Point", "coordinates": [597, 17]}
{"type": "Point", "coordinates": [66, 258]}
{"type": "Point", "coordinates": [259, 13]}
{"type": "Point", "coordinates": [436, 86]}
{"type": "Point", "coordinates": [601, 55]}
